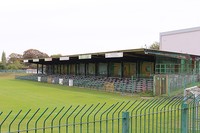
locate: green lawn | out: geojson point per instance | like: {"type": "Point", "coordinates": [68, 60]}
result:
{"type": "Point", "coordinates": [20, 94]}
{"type": "Point", "coordinates": [25, 95]}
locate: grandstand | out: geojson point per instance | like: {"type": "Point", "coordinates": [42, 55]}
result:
{"type": "Point", "coordinates": [121, 71]}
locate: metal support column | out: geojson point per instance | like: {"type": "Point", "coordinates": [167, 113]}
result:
{"type": "Point", "coordinates": [125, 122]}
{"type": "Point", "coordinates": [85, 71]}
{"type": "Point", "coordinates": [96, 69]}
{"type": "Point", "coordinates": [57, 69]}
{"type": "Point", "coordinates": [122, 69]}
{"type": "Point", "coordinates": [68, 69]}
{"type": "Point", "coordinates": [108, 69]}
{"type": "Point", "coordinates": [37, 68]}
{"type": "Point", "coordinates": [42, 69]}
{"type": "Point", "coordinates": [60, 69]}
{"type": "Point", "coordinates": [138, 69]}
{"type": "Point", "coordinates": [53, 69]}
{"type": "Point", "coordinates": [76, 69]}
{"type": "Point", "coordinates": [184, 118]}
{"type": "Point", "coordinates": [63, 68]}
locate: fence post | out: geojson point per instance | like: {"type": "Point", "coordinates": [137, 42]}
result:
{"type": "Point", "coordinates": [184, 118]}
{"type": "Point", "coordinates": [125, 122]}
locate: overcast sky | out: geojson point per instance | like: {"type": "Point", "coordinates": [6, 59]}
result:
{"type": "Point", "coordinates": [83, 26]}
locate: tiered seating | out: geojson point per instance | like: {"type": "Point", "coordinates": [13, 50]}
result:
{"type": "Point", "coordinates": [123, 85]}
{"type": "Point", "coordinates": [28, 77]}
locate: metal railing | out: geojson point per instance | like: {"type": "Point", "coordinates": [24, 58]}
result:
{"type": "Point", "coordinates": [173, 84]}
{"type": "Point", "coordinates": [166, 115]}
{"type": "Point", "coordinates": [177, 82]}
{"type": "Point", "coordinates": [12, 71]}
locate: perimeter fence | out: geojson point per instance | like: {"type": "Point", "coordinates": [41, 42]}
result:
{"type": "Point", "coordinates": [166, 115]}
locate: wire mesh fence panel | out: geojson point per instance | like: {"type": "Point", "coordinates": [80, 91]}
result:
{"type": "Point", "coordinates": [165, 115]}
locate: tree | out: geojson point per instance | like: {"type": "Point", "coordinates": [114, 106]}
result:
{"type": "Point", "coordinates": [2, 66]}
{"type": "Point", "coordinates": [3, 59]}
{"type": "Point", "coordinates": [34, 54]}
{"type": "Point", "coordinates": [15, 66]}
{"type": "Point", "coordinates": [15, 61]}
{"type": "Point", "coordinates": [14, 57]}
{"type": "Point", "coordinates": [155, 46]}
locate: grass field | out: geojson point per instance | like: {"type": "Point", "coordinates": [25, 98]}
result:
{"type": "Point", "coordinates": [20, 94]}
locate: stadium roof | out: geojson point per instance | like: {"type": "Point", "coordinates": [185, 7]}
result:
{"type": "Point", "coordinates": [141, 53]}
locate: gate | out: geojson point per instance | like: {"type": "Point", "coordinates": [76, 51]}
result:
{"type": "Point", "coordinates": [160, 84]}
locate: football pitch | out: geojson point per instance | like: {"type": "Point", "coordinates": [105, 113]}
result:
{"type": "Point", "coordinates": [29, 96]}
{"type": "Point", "coordinates": [29, 106]}
{"type": "Point", "coordinates": [21, 94]}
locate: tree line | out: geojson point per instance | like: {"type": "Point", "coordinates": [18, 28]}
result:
{"type": "Point", "coordinates": [15, 61]}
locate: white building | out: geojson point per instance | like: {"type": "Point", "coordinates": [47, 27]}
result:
{"type": "Point", "coordinates": [181, 41]}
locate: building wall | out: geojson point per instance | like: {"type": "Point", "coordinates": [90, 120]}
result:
{"type": "Point", "coordinates": [183, 41]}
